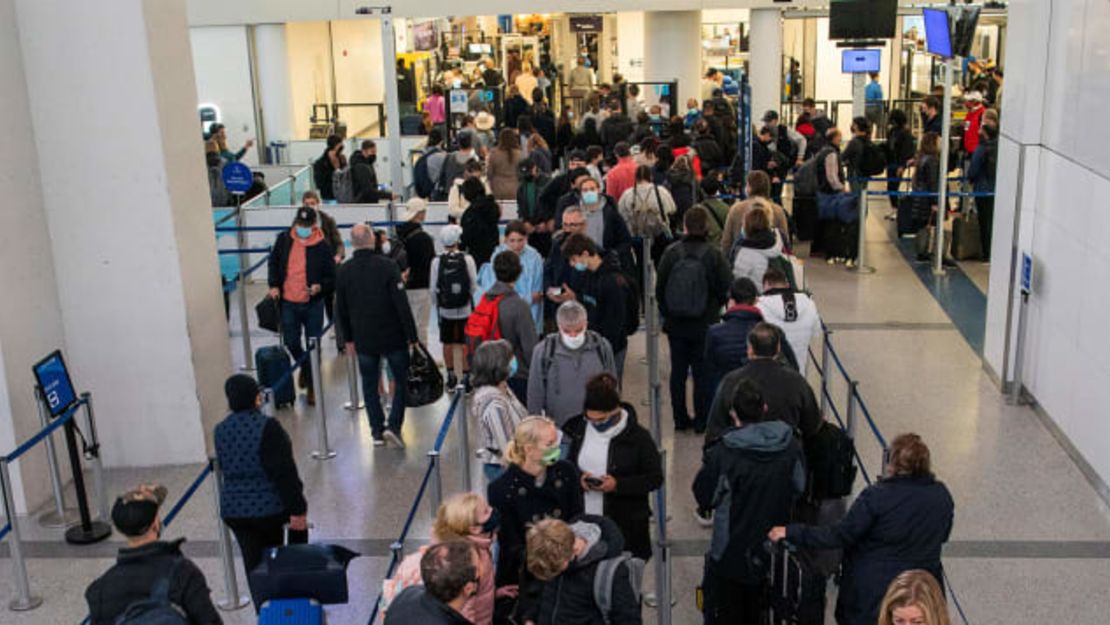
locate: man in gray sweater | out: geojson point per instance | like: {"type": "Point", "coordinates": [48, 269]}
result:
{"type": "Point", "coordinates": [514, 318]}
{"type": "Point", "coordinates": [563, 362]}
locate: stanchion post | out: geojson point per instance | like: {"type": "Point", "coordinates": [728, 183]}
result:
{"type": "Point", "coordinates": [945, 148]}
{"type": "Point", "coordinates": [853, 409]}
{"type": "Point", "coordinates": [269, 407]}
{"type": "Point", "coordinates": [398, 549]}
{"type": "Point", "coordinates": [323, 447]}
{"type": "Point", "coordinates": [663, 555]}
{"type": "Point", "coordinates": [354, 404]}
{"type": "Point", "coordinates": [59, 516]}
{"type": "Point", "coordinates": [232, 599]}
{"type": "Point", "coordinates": [826, 345]}
{"type": "Point", "coordinates": [464, 436]}
{"type": "Point", "coordinates": [97, 463]}
{"type": "Point", "coordinates": [435, 484]}
{"type": "Point", "coordinates": [861, 250]}
{"type": "Point", "coordinates": [651, 335]}
{"type": "Point", "coordinates": [24, 600]}
{"type": "Point", "coordinates": [244, 265]}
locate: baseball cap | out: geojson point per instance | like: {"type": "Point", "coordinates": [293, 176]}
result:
{"type": "Point", "coordinates": [414, 207]}
{"type": "Point", "coordinates": [769, 115]}
{"type": "Point", "coordinates": [306, 215]}
{"type": "Point", "coordinates": [450, 235]}
{"type": "Point", "coordinates": [974, 96]}
{"type": "Point", "coordinates": [134, 511]}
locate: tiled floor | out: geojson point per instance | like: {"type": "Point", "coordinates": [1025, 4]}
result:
{"type": "Point", "coordinates": [1031, 542]}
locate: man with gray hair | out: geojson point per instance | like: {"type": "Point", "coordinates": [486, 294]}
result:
{"type": "Point", "coordinates": [372, 310]}
{"type": "Point", "coordinates": [563, 362]}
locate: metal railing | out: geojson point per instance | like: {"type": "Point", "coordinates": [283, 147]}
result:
{"type": "Point", "coordinates": [286, 192]}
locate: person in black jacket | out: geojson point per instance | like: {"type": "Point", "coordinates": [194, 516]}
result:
{"type": "Point", "coordinates": [897, 524]}
{"type": "Point", "coordinates": [787, 393]}
{"type": "Point", "coordinates": [900, 151]}
{"type": "Point", "coordinates": [560, 185]}
{"type": "Point", "coordinates": [709, 151]}
{"type": "Point", "coordinates": [371, 308]}
{"type": "Point", "coordinates": [602, 292]}
{"type": "Point", "coordinates": [616, 128]}
{"type": "Point", "coordinates": [619, 462]}
{"type": "Point", "coordinates": [750, 480]}
{"type": "Point", "coordinates": [262, 490]}
{"type": "Point", "coordinates": [529, 207]}
{"type": "Point", "coordinates": [479, 223]}
{"type": "Point", "coordinates": [604, 223]}
{"type": "Point", "coordinates": [326, 164]}
{"type": "Point", "coordinates": [449, 572]}
{"type": "Point", "coordinates": [726, 343]}
{"type": "Point", "coordinates": [419, 252]}
{"type": "Point", "coordinates": [537, 484]}
{"type": "Point", "coordinates": [686, 332]}
{"type": "Point", "coordinates": [364, 180]}
{"type": "Point", "coordinates": [568, 558]}
{"type": "Point", "coordinates": [301, 274]}
{"type": "Point", "coordinates": [146, 561]}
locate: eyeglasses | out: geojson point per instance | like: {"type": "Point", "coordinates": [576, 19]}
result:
{"type": "Point", "coordinates": [573, 224]}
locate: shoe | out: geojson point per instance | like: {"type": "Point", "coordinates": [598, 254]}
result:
{"type": "Point", "coordinates": [849, 263]}
{"type": "Point", "coordinates": [948, 262]}
{"type": "Point", "coordinates": [379, 441]}
{"type": "Point", "coordinates": [394, 439]}
{"type": "Point", "coordinates": [704, 519]}
{"type": "Point", "coordinates": [302, 378]}
{"type": "Point", "coordinates": [650, 600]}
{"type": "Point", "coordinates": [452, 381]}
{"type": "Point", "coordinates": [682, 426]}
{"type": "Point", "coordinates": [310, 396]}
{"type": "Point", "coordinates": [830, 261]}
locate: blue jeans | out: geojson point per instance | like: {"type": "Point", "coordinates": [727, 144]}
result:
{"type": "Point", "coordinates": [370, 366]}
{"type": "Point", "coordinates": [298, 319]}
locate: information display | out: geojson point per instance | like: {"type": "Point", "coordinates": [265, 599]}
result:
{"type": "Point", "coordinates": [53, 378]}
{"type": "Point", "coordinates": [938, 35]}
{"type": "Point", "coordinates": [237, 178]}
{"type": "Point", "coordinates": [860, 61]}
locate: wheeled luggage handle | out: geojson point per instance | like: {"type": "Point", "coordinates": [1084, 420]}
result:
{"type": "Point", "coordinates": [285, 532]}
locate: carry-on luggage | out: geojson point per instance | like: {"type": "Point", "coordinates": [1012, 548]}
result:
{"type": "Point", "coordinates": [805, 218]}
{"type": "Point", "coordinates": [304, 571]}
{"type": "Point", "coordinates": [425, 382]}
{"type": "Point", "coordinates": [269, 314]}
{"type": "Point", "coordinates": [272, 363]}
{"type": "Point", "coordinates": [965, 237]}
{"type": "Point", "coordinates": [291, 612]}
{"type": "Point", "coordinates": [907, 218]}
{"type": "Point", "coordinates": [796, 592]}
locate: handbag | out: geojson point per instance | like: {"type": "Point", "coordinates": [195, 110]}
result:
{"type": "Point", "coordinates": [269, 314]}
{"type": "Point", "coordinates": [425, 382]}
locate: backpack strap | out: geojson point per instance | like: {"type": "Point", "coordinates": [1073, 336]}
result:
{"type": "Point", "coordinates": [604, 577]}
{"type": "Point", "coordinates": [160, 591]}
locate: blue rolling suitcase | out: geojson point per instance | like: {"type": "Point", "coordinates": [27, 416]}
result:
{"type": "Point", "coordinates": [272, 363]}
{"type": "Point", "coordinates": [291, 612]}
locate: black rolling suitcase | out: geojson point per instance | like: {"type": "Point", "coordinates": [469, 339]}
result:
{"type": "Point", "coordinates": [302, 571]}
{"type": "Point", "coordinates": [805, 218]}
{"type": "Point", "coordinates": [272, 363]}
{"type": "Point", "coordinates": [796, 591]}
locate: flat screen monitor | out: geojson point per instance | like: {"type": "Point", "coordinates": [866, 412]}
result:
{"type": "Point", "coordinates": [938, 36]}
{"type": "Point", "coordinates": [480, 48]}
{"type": "Point", "coordinates": [860, 61]}
{"type": "Point", "coordinates": [963, 35]}
{"type": "Point", "coordinates": [53, 378]}
{"type": "Point", "coordinates": [863, 19]}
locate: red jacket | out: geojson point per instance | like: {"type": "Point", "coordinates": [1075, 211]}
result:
{"type": "Point", "coordinates": [972, 123]}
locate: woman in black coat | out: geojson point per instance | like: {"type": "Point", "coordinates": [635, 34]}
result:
{"type": "Point", "coordinates": [618, 460]}
{"type": "Point", "coordinates": [479, 223]}
{"type": "Point", "coordinates": [898, 524]}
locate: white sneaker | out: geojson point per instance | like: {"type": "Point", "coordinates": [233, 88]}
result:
{"type": "Point", "coordinates": [849, 263]}
{"type": "Point", "coordinates": [704, 521]}
{"type": "Point", "coordinates": [393, 439]}
{"type": "Point", "coordinates": [650, 600]}
{"type": "Point", "coordinates": [830, 261]}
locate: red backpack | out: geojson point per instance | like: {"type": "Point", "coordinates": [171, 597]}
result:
{"type": "Point", "coordinates": [484, 323]}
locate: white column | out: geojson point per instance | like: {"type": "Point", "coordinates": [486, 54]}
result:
{"type": "Point", "coordinates": [766, 60]}
{"type": "Point", "coordinates": [275, 96]}
{"type": "Point", "coordinates": [672, 50]}
{"type": "Point", "coordinates": [125, 198]}
{"type": "Point", "coordinates": [630, 44]}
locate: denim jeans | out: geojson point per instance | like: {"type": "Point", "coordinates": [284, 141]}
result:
{"type": "Point", "coordinates": [688, 353]}
{"type": "Point", "coordinates": [370, 366]}
{"type": "Point", "coordinates": [301, 319]}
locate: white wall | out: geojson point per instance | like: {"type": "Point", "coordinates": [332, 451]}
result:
{"type": "Point", "coordinates": [223, 77]}
{"type": "Point", "coordinates": [309, 70]}
{"type": "Point", "coordinates": [834, 85]}
{"type": "Point", "coordinates": [1058, 79]}
{"type": "Point", "coordinates": [630, 45]}
{"type": "Point", "coordinates": [357, 49]}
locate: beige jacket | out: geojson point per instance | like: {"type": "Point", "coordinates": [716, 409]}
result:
{"type": "Point", "coordinates": [735, 220]}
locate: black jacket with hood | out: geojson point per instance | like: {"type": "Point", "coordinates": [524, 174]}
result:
{"type": "Point", "coordinates": [364, 180]}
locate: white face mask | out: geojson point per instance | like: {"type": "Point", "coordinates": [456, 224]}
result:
{"type": "Point", "coordinates": [385, 248]}
{"type": "Point", "coordinates": [573, 342]}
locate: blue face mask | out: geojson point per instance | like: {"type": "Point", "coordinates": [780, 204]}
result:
{"type": "Point", "coordinates": [589, 197]}
{"type": "Point", "coordinates": [606, 425]}
{"type": "Point", "coordinates": [580, 266]}
{"type": "Point", "coordinates": [304, 232]}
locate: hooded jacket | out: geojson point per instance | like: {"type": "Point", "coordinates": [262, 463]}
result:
{"type": "Point", "coordinates": [569, 598]}
{"type": "Point", "coordinates": [603, 296]}
{"type": "Point", "coordinates": [750, 480]}
{"type": "Point", "coordinates": [557, 378]}
{"type": "Point", "coordinates": [135, 572]}
{"type": "Point", "coordinates": [756, 251]}
{"type": "Point", "coordinates": [479, 224]}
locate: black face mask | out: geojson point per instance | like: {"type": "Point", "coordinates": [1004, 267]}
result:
{"type": "Point", "coordinates": [370, 159]}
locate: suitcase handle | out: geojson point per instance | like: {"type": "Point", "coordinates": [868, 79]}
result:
{"type": "Point", "coordinates": [285, 532]}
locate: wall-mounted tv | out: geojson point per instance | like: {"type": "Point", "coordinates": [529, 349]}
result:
{"type": "Point", "coordinates": [863, 19]}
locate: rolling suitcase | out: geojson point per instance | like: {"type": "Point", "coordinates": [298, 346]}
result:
{"type": "Point", "coordinates": [302, 571]}
{"type": "Point", "coordinates": [965, 237]}
{"type": "Point", "coordinates": [291, 612]}
{"type": "Point", "coordinates": [272, 363]}
{"type": "Point", "coordinates": [796, 592]}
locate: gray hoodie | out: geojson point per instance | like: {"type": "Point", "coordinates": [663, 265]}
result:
{"type": "Point", "coordinates": [557, 384]}
{"type": "Point", "coordinates": [517, 327]}
{"type": "Point", "coordinates": [766, 437]}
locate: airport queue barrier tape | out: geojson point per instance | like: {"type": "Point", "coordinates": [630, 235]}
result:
{"type": "Point", "coordinates": [856, 405]}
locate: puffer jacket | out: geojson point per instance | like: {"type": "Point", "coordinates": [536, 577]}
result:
{"type": "Point", "coordinates": [756, 251]}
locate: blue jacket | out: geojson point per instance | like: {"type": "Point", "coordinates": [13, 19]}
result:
{"type": "Point", "coordinates": [726, 344]}
{"type": "Point", "coordinates": [260, 477]}
{"type": "Point", "coordinates": [984, 164]}
{"type": "Point", "coordinates": [895, 525]}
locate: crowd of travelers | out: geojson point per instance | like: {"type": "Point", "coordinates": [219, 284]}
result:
{"type": "Point", "coordinates": [535, 320]}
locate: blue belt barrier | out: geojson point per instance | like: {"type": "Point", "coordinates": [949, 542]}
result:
{"type": "Point", "coordinates": [189, 492]}
{"type": "Point", "coordinates": [932, 193]}
{"type": "Point", "coordinates": [44, 432]}
{"type": "Point", "coordinates": [247, 250]}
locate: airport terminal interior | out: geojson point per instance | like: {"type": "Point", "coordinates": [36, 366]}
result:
{"type": "Point", "coordinates": [901, 182]}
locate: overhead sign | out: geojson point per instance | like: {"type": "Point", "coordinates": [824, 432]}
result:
{"type": "Point", "coordinates": [237, 177]}
{"type": "Point", "coordinates": [1026, 273]}
{"type": "Point", "coordinates": [53, 378]}
{"type": "Point", "coordinates": [458, 100]}
{"type": "Point", "coordinates": [585, 23]}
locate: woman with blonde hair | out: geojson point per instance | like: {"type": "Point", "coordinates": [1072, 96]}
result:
{"type": "Point", "coordinates": [898, 524]}
{"type": "Point", "coordinates": [465, 516]}
{"type": "Point", "coordinates": [914, 598]}
{"type": "Point", "coordinates": [537, 484]}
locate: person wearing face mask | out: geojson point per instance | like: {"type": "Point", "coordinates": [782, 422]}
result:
{"type": "Point", "coordinates": [464, 517]}
{"type": "Point", "coordinates": [529, 286]}
{"type": "Point", "coordinates": [145, 561]}
{"type": "Point", "coordinates": [364, 179]}
{"type": "Point", "coordinates": [262, 490]}
{"type": "Point", "coordinates": [536, 485]}
{"type": "Point", "coordinates": [693, 113]}
{"type": "Point", "coordinates": [603, 292]}
{"type": "Point", "coordinates": [618, 460]}
{"type": "Point", "coordinates": [451, 576]}
{"type": "Point", "coordinates": [493, 406]}
{"type": "Point", "coordinates": [564, 361]}
{"type": "Point", "coordinates": [604, 223]}
{"type": "Point", "coordinates": [301, 275]}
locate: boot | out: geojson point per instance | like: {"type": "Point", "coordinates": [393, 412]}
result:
{"type": "Point", "coordinates": [302, 378]}
{"type": "Point", "coordinates": [310, 396]}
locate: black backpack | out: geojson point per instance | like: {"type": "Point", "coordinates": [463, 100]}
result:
{"type": "Point", "coordinates": [805, 178]}
{"type": "Point", "coordinates": [873, 160]}
{"type": "Point", "coordinates": [452, 281]}
{"type": "Point", "coordinates": [157, 609]}
{"type": "Point", "coordinates": [830, 456]}
{"type": "Point", "coordinates": [631, 291]}
{"type": "Point", "coordinates": [421, 180]}
{"type": "Point", "coordinates": [687, 291]}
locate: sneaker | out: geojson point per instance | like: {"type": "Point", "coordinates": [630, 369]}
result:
{"type": "Point", "coordinates": [850, 263]}
{"type": "Point", "coordinates": [704, 519]}
{"type": "Point", "coordinates": [830, 261]}
{"type": "Point", "coordinates": [379, 441]}
{"type": "Point", "coordinates": [394, 439]}
{"type": "Point", "coordinates": [650, 600]}
{"type": "Point", "coordinates": [452, 381]}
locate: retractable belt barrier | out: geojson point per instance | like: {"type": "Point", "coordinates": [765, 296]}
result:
{"type": "Point", "coordinates": [856, 404]}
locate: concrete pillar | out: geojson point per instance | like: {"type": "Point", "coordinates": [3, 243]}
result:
{"type": "Point", "coordinates": [125, 200]}
{"type": "Point", "coordinates": [630, 44]}
{"type": "Point", "coordinates": [275, 96]}
{"type": "Point", "coordinates": [672, 50]}
{"type": "Point", "coordinates": [766, 60]}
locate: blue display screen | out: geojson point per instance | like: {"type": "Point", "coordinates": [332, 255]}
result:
{"type": "Point", "coordinates": [938, 37]}
{"type": "Point", "coordinates": [860, 61]}
{"type": "Point", "coordinates": [53, 378]}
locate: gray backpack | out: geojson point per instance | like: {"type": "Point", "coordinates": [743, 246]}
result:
{"type": "Point", "coordinates": [606, 575]}
{"type": "Point", "coordinates": [687, 291]}
{"type": "Point", "coordinates": [342, 187]}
